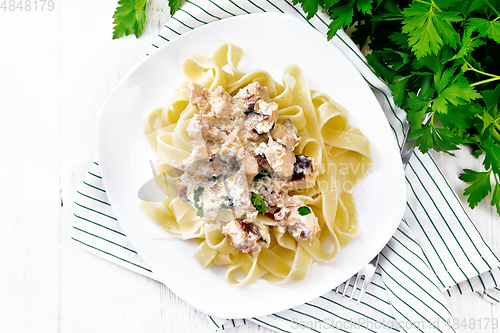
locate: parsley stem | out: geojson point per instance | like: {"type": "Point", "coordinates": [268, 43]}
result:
{"type": "Point", "coordinates": [469, 66]}
{"type": "Point", "coordinates": [485, 81]}
{"type": "Point", "coordinates": [496, 135]}
{"type": "Point", "coordinates": [424, 2]}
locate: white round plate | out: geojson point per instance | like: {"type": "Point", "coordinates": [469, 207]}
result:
{"type": "Point", "coordinates": [270, 42]}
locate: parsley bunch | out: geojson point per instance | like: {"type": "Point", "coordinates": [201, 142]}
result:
{"type": "Point", "coordinates": [439, 57]}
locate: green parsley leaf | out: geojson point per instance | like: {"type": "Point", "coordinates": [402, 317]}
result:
{"type": "Point", "coordinates": [258, 203]}
{"type": "Point", "coordinates": [459, 92]}
{"type": "Point", "coordinates": [304, 210]}
{"type": "Point", "coordinates": [495, 199]}
{"type": "Point", "coordinates": [174, 5]}
{"type": "Point", "coordinates": [429, 28]}
{"type": "Point", "coordinates": [340, 16]}
{"type": "Point", "coordinates": [429, 136]}
{"type": "Point", "coordinates": [129, 18]}
{"type": "Point", "coordinates": [398, 89]}
{"type": "Point", "coordinates": [417, 109]}
{"type": "Point", "coordinates": [479, 187]}
{"type": "Point", "coordinates": [310, 7]}
{"type": "Point", "coordinates": [197, 193]}
{"type": "Point", "coordinates": [490, 29]}
{"type": "Point", "coordinates": [196, 197]}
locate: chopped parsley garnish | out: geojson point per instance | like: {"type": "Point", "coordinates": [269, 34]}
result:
{"type": "Point", "coordinates": [261, 175]}
{"type": "Point", "coordinates": [227, 203]}
{"type": "Point", "coordinates": [215, 178]}
{"type": "Point", "coordinates": [258, 203]}
{"type": "Point", "coordinates": [252, 111]}
{"type": "Point", "coordinates": [304, 210]}
{"type": "Point", "coordinates": [196, 197]}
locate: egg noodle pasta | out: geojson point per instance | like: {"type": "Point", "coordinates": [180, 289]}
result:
{"type": "Point", "coordinates": [339, 155]}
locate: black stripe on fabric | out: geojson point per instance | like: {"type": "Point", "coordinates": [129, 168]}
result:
{"type": "Point", "coordinates": [435, 228]}
{"type": "Point", "coordinates": [390, 106]}
{"type": "Point", "coordinates": [444, 220]}
{"type": "Point", "coordinates": [213, 321]}
{"type": "Point", "coordinates": [318, 319]}
{"type": "Point", "coordinates": [95, 211]}
{"type": "Point", "coordinates": [104, 239]}
{"type": "Point", "coordinates": [184, 24]}
{"type": "Point", "coordinates": [94, 187]}
{"type": "Point", "coordinates": [168, 40]}
{"type": "Point", "coordinates": [493, 298]}
{"type": "Point", "coordinates": [192, 3]}
{"type": "Point", "coordinates": [336, 315]}
{"type": "Point", "coordinates": [459, 221]}
{"type": "Point", "coordinates": [382, 312]}
{"type": "Point", "coordinates": [242, 9]}
{"type": "Point", "coordinates": [418, 285]}
{"type": "Point", "coordinates": [375, 296]}
{"type": "Point", "coordinates": [95, 199]}
{"type": "Point", "coordinates": [338, 304]}
{"type": "Point", "coordinates": [93, 174]}
{"type": "Point", "coordinates": [213, 3]}
{"type": "Point", "coordinates": [276, 327]}
{"type": "Point", "coordinates": [427, 236]}
{"type": "Point", "coordinates": [423, 303]}
{"type": "Point", "coordinates": [402, 315]}
{"type": "Point", "coordinates": [428, 262]}
{"type": "Point", "coordinates": [407, 319]}
{"type": "Point", "coordinates": [166, 26]}
{"type": "Point", "coordinates": [409, 263]}
{"type": "Point", "coordinates": [192, 16]}
{"type": "Point", "coordinates": [278, 8]}
{"type": "Point", "coordinates": [257, 6]}
{"type": "Point", "coordinates": [100, 225]}
{"type": "Point", "coordinates": [110, 254]}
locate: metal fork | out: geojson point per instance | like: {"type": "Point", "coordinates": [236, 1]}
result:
{"type": "Point", "coordinates": [367, 272]}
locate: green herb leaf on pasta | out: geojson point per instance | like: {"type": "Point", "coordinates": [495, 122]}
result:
{"type": "Point", "coordinates": [258, 203]}
{"type": "Point", "coordinates": [304, 210]}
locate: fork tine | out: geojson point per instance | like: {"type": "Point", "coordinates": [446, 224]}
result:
{"type": "Point", "coordinates": [361, 291]}
{"type": "Point", "coordinates": [337, 290]}
{"type": "Point", "coordinates": [347, 282]}
{"type": "Point", "coordinates": [355, 285]}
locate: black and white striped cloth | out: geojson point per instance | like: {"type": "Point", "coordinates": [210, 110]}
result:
{"type": "Point", "coordinates": [435, 253]}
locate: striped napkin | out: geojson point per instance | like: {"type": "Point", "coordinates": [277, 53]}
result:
{"type": "Point", "coordinates": [436, 251]}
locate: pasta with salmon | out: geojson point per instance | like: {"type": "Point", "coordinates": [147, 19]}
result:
{"type": "Point", "coordinates": [259, 173]}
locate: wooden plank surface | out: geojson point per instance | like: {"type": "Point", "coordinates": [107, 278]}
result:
{"type": "Point", "coordinates": [56, 69]}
